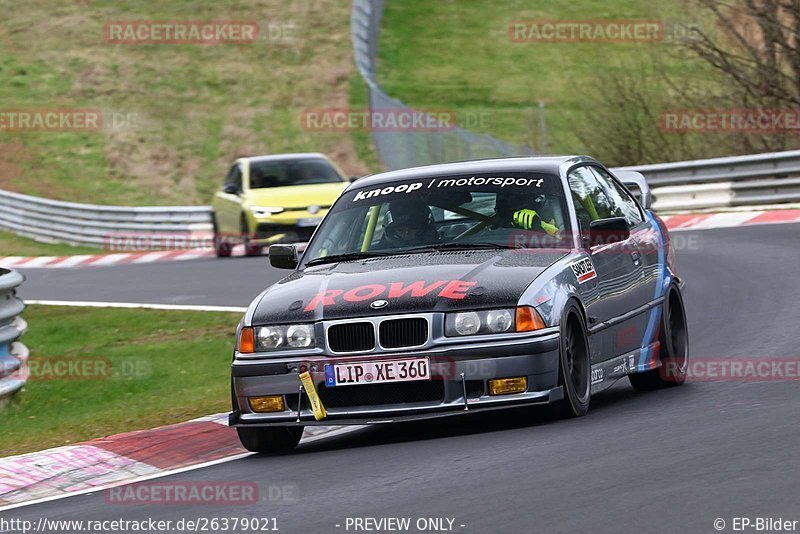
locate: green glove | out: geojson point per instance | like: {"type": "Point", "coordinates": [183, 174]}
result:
{"type": "Point", "coordinates": [527, 219]}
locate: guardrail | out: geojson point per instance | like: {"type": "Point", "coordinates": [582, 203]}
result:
{"type": "Point", "coordinates": [410, 148]}
{"type": "Point", "coordinates": [758, 179]}
{"type": "Point", "coordinates": [13, 354]}
{"type": "Point", "coordinates": [94, 225]}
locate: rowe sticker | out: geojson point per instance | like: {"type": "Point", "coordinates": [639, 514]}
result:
{"type": "Point", "coordinates": [584, 270]}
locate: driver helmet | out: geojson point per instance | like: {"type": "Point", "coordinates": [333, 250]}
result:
{"type": "Point", "coordinates": [412, 223]}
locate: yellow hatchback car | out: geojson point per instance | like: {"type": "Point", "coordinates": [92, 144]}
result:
{"type": "Point", "coordinates": [274, 199]}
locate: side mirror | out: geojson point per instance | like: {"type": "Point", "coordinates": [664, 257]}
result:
{"type": "Point", "coordinates": [606, 231]}
{"type": "Point", "coordinates": [637, 185]}
{"type": "Point", "coordinates": [283, 256]}
{"type": "Point", "coordinates": [230, 189]}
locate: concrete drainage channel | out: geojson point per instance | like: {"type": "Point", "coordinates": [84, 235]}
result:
{"type": "Point", "coordinates": [13, 354]}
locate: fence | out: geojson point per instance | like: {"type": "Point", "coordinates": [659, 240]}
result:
{"type": "Point", "coordinates": [93, 225]}
{"type": "Point", "coordinates": [410, 148]}
{"type": "Point", "coordinates": [13, 354]}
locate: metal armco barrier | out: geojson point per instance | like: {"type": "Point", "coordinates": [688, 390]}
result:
{"type": "Point", "coordinates": [754, 180]}
{"type": "Point", "coordinates": [93, 225]}
{"type": "Point", "coordinates": [13, 354]}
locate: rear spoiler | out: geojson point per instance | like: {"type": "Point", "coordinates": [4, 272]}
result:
{"type": "Point", "coordinates": [637, 185]}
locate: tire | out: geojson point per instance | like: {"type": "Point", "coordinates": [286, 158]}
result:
{"type": "Point", "coordinates": [249, 250]}
{"type": "Point", "coordinates": [575, 368]}
{"type": "Point", "coordinates": [274, 440]}
{"type": "Point", "coordinates": [674, 348]}
{"type": "Point", "coordinates": [222, 248]}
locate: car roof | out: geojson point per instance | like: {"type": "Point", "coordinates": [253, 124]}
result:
{"type": "Point", "coordinates": [537, 164]}
{"type": "Point", "coordinates": [285, 157]}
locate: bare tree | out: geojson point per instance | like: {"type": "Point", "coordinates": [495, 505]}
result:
{"type": "Point", "coordinates": [754, 46]}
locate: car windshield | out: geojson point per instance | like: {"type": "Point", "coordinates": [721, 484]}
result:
{"type": "Point", "coordinates": [281, 173]}
{"type": "Point", "coordinates": [515, 210]}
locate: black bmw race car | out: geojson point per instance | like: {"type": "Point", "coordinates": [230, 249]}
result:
{"type": "Point", "coordinates": [461, 288]}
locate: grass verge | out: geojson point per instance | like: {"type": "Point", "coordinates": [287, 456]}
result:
{"type": "Point", "coordinates": [459, 56]}
{"type": "Point", "coordinates": [14, 245]}
{"type": "Point", "coordinates": [174, 115]}
{"type": "Point", "coordinates": [148, 368]}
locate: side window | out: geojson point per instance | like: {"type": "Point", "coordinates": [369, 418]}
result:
{"type": "Point", "coordinates": [591, 201]}
{"type": "Point", "coordinates": [234, 177]}
{"type": "Point", "coordinates": [620, 196]}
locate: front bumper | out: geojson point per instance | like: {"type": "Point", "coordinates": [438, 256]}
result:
{"type": "Point", "coordinates": [291, 226]}
{"type": "Point", "coordinates": [536, 358]}
{"type": "Point", "coordinates": [272, 234]}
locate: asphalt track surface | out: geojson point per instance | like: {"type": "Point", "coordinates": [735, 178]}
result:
{"type": "Point", "coordinates": [669, 461]}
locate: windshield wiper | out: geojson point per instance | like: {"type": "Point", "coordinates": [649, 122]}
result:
{"type": "Point", "coordinates": [349, 256]}
{"type": "Point", "coordinates": [436, 247]}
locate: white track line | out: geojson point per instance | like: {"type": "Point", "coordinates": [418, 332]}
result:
{"type": "Point", "coordinates": [310, 439]}
{"type": "Point", "coordinates": [125, 483]}
{"type": "Point", "coordinates": [137, 305]}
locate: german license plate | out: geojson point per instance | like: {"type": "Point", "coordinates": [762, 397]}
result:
{"type": "Point", "coordinates": [377, 372]}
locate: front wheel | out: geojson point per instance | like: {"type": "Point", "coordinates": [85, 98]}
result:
{"type": "Point", "coordinates": [273, 440]}
{"type": "Point", "coordinates": [575, 366]}
{"type": "Point", "coordinates": [673, 351]}
{"type": "Point", "coordinates": [249, 248]}
{"type": "Point", "coordinates": [222, 247]}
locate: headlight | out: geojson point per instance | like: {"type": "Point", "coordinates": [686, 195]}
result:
{"type": "Point", "coordinates": [466, 324]}
{"type": "Point", "coordinates": [300, 336]}
{"type": "Point", "coordinates": [265, 210]}
{"type": "Point", "coordinates": [270, 337]}
{"type": "Point", "coordinates": [498, 321]}
{"type": "Point", "coordinates": [521, 319]}
{"type": "Point", "coordinates": [283, 337]}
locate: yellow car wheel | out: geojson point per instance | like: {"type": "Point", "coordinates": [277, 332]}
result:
{"type": "Point", "coordinates": [249, 249]}
{"type": "Point", "coordinates": [222, 245]}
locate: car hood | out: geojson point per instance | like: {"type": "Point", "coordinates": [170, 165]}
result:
{"type": "Point", "coordinates": [412, 283]}
{"type": "Point", "coordinates": [296, 196]}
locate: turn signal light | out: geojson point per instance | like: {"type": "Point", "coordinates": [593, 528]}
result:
{"type": "Point", "coordinates": [528, 319]}
{"type": "Point", "coordinates": [247, 341]}
{"type": "Point", "coordinates": [504, 386]}
{"type": "Point", "coordinates": [273, 403]}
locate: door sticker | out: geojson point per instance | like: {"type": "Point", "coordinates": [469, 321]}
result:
{"type": "Point", "coordinates": [584, 270]}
